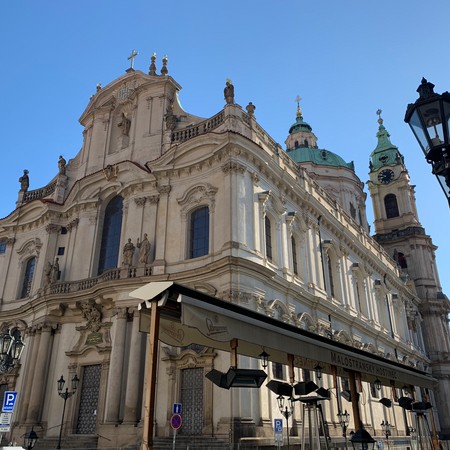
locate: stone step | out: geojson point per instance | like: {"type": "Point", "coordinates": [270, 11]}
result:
{"type": "Point", "coordinates": [72, 442]}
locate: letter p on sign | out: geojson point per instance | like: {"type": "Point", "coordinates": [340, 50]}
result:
{"type": "Point", "coordinates": [9, 400]}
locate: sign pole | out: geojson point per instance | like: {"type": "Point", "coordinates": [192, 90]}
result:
{"type": "Point", "coordinates": [174, 438]}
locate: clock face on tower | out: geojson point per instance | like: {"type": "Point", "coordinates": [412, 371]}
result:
{"type": "Point", "coordinates": [386, 176]}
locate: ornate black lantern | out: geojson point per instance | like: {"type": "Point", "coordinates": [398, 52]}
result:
{"type": "Point", "coordinates": [30, 439]}
{"type": "Point", "coordinates": [11, 348]}
{"type": "Point", "coordinates": [362, 440]}
{"type": "Point", "coordinates": [264, 357]}
{"type": "Point", "coordinates": [429, 118]}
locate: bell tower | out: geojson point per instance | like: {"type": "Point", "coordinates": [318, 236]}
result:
{"type": "Point", "coordinates": [392, 195]}
{"type": "Point", "coordinates": [399, 232]}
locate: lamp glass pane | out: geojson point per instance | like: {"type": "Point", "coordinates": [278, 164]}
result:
{"type": "Point", "coordinates": [416, 127]}
{"type": "Point", "coordinates": [5, 343]}
{"type": "Point", "coordinates": [446, 110]}
{"type": "Point", "coordinates": [431, 116]}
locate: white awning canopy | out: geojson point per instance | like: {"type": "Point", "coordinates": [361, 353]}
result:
{"type": "Point", "coordinates": [192, 317]}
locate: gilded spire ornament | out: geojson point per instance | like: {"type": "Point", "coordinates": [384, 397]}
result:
{"type": "Point", "coordinates": [299, 111]}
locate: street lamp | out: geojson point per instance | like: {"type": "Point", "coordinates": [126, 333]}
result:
{"type": "Point", "coordinates": [428, 118]}
{"type": "Point", "coordinates": [264, 357]}
{"type": "Point", "coordinates": [377, 384]}
{"type": "Point", "coordinates": [344, 418]}
{"type": "Point", "coordinates": [286, 412]}
{"type": "Point", "coordinates": [362, 440]}
{"type": "Point", "coordinates": [11, 348]}
{"type": "Point", "coordinates": [65, 395]}
{"type": "Point", "coordinates": [386, 427]}
{"type": "Point", "coordinates": [318, 369]}
{"type": "Point", "coordinates": [30, 439]}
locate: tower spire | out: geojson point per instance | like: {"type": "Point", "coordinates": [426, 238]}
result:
{"type": "Point", "coordinates": [299, 111]}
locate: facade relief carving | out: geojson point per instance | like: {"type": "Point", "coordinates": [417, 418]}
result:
{"type": "Point", "coordinates": [95, 334]}
{"type": "Point", "coordinates": [111, 172]}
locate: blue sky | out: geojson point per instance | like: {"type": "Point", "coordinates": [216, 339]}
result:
{"type": "Point", "coordinates": [344, 58]}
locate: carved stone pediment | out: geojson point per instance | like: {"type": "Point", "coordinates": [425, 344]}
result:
{"type": "Point", "coordinates": [95, 334]}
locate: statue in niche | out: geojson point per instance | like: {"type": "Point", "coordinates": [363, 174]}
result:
{"type": "Point", "coordinates": [24, 181]}
{"type": "Point", "coordinates": [54, 272]}
{"type": "Point", "coordinates": [228, 93]}
{"type": "Point", "coordinates": [125, 124]}
{"type": "Point", "coordinates": [47, 274]}
{"type": "Point", "coordinates": [62, 165]}
{"type": "Point", "coordinates": [144, 249]}
{"type": "Point", "coordinates": [128, 252]}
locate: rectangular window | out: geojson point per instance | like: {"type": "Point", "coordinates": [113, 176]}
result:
{"type": "Point", "coordinates": [63, 230]}
{"type": "Point", "coordinates": [61, 251]}
{"type": "Point", "coordinates": [268, 232]}
{"type": "Point", "coordinates": [199, 233]}
{"type": "Point", "coordinates": [277, 371]}
{"type": "Point", "coordinates": [294, 255]}
{"type": "Point", "coordinates": [306, 375]}
{"type": "Point", "coordinates": [374, 391]}
{"type": "Point", "coordinates": [2, 246]}
{"type": "Point", "coordinates": [345, 384]}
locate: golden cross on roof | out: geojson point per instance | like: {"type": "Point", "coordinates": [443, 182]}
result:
{"type": "Point", "coordinates": [133, 55]}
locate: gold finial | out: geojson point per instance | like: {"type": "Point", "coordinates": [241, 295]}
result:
{"type": "Point", "coordinates": [380, 120]}
{"type": "Point", "coordinates": [299, 111]}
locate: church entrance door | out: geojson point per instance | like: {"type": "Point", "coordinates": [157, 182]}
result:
{"type": "Point", "coordinates": [192, 401]}
{"type": "Point", "coordinates": [87, 412]}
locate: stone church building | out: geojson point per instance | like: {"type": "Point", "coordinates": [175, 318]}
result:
{"type": "Point", "coordinates": [215, 204]}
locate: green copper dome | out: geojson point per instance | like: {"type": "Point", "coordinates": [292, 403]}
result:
{"type": "Point", "coordinates": [302, 146]}
{"type": "Point", "coordinates": [318, 156]}
{"type": "Point", "coordinates": [385, 153]}
{"type": "Point", "coordinates": [300, 125]}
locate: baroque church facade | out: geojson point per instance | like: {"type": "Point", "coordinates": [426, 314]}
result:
{"type": "Point", "coordinates": [157, 194]}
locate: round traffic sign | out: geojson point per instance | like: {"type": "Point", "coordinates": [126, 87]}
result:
{"type": "Point", "coordinates": [175, 421]}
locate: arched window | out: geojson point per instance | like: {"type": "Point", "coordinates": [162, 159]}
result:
{"type": "Point", "coordinates": [391, 206]}
{"type": "Point", "coordinates": [268, 231]}
{"type": "Point", "coordinates": [330, 284]}
{"type": "Point", "coordinates": [28, 278]}
{"type": "Point", "coordinates": [199, 233]}
{"type": "Point", "coordinates": [294, 255]}
{"type": "Point", "coordinates": [112, 227]}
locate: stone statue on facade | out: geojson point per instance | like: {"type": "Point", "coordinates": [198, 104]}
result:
{"type": "Point", "coordinates": [144, 249]}
{"type": "Point", "coordinates": [54, 271]}
{"type": "Point", "coordinates": [125, 124]}
{"type": "Point", "coordinates": [62, 165]}
{"type": "Point", "coordinates": [228, 93]}
{"type": "Point", "coordinates": [24, 181]}
{"type": "Point", "coordinates": [92, 315]}
{"type": "Point", "coordinates": [250, 109]}
{"type": "Point", "coordinates": [47, 274]}
{"type": "Point", "coordinates": [128, 252]}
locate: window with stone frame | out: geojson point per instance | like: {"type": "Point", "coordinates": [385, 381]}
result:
{"type": "Point", "coordinates": [268, 235]}
{"type": "Point", "coordinates": [27, 279]}
{"type": "Point", "coordinates": [391, 206]}
{"type": "Point", "coordinates": [2, 246]}
{"type": "Point", "coordinates": [294, 255]}
{"type": "Point", "coordinates": [278, 371]}
{"type": "Point", "coordinates": [112, 228]}
{"type": "Point", "coordinates": [199, 232]}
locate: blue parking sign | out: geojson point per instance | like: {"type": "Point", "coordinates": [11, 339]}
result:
{"type": "Point", "coordinates": [9, 400]}
{"type": "Point", "coordinates": [278, 425]}
{"type": "Point", "coordinates": [176, 408]}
